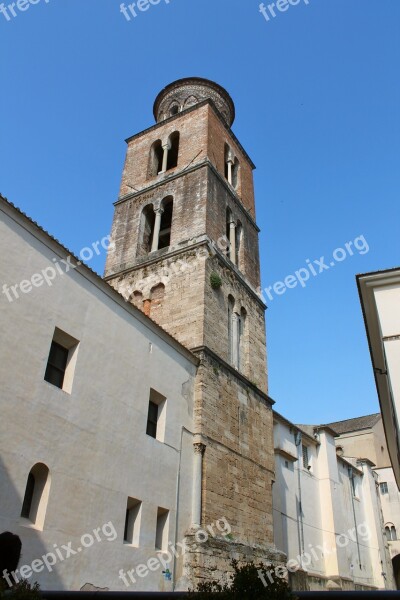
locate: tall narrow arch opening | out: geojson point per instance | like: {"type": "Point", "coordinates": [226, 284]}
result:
{"type": "Point", "coordinates": [238, 245]}
{"type": "Point", "coordinates": [227, 153]}
{"type": "Point", "coordinates": [173, 152]}
{"type": "Point", "coordinates": [155, 159]}
{"type": "Point", "coordinates": [166, 223]}
{"type": "Point", "coordinates": [147, 221]}
{"type": "Point", "coordinates": [231, 305]}
{"type": "Point", "coordinates": [36, 495]}
{"type": "Point", "coordinates": [235, 173]}
{"type": "Point", "coordinates": [242, 344]}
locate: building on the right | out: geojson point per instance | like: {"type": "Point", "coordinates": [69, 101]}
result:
{"type": "Point", "coordinates": [380, 301]}
{"type": "Point", "coordinates": [365, 437]}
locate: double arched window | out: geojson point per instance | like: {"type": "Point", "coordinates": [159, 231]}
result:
{"type": "Point", "coordinates": [164, 156]}
{"type": "Point", "coordinates": [390, 531]}
{"type": "Point", "coordinates": [156, 226]}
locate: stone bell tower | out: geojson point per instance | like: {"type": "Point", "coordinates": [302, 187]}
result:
{"type": "Point", "coordinates": [186, 253]}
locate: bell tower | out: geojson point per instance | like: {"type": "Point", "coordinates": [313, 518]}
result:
{"type": "Point", "coordinates": [185, 251]}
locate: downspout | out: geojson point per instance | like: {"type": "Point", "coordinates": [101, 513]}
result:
{"type": "Point", "coordinates": [297, 441]}
{"type": "Point", "coordinates": [352, 488]}
{"type": "Point", "coordinates": [178, 484]}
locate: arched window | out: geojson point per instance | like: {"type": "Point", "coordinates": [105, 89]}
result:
{"type": "Point", "coordinates": [166, 223]}
{"type": "Point", "coordinates": [137, 299]}
{"type": "Point", "coordinates": [190, 101]}
{"type": "Point", "coordinates": [36, 495]}
{"type": "Point", "coordinates": [227, 155]}
{"type": "Point", "coordinates": [174, 108]}
{"type": "Point", "coordinates": [147, 221]}
{"type": "Point", "coordinates": [242, 340]}
{"type": "Point", "coordinates": [156, 159]}
{"type": "Point", "coordinates": [173, 151]}
{"type": "Point", "coordinates": [229, 234]}
{"type": "Point", "coordinates": [235, 173]}
{"type": "Point", "coordinates": [239, 235]}
{"type": "Point", "coordinates": [391, 534]}
{"type": "Point", "coordinates": [231, 305]}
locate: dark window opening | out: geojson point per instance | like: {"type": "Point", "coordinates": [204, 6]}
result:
{"type": "Point", "coordinates": [152, 419]}
{"type": "Point", "coordinates": [174, 110]}
{"type": "Point", "coordinates": [235, 173]}
{"type": "Point", "coordinates": [148, 219]}
{"type": "Point", "coordinates": [56, 365]}
{"type": "Point", "coordinates": [156, 159]}
{"type": "Point", "coordinates": [166, 224]}
{"type": "Point", "coordinates": [29, 491]}
{"type": "Point", "coordinates": [173, 152]}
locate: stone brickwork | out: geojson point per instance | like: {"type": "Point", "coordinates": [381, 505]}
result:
{"type": "Point", "coordinates": [232, 412]}
{"type": "Point", "coordinates": [211, 560]}
{"type": "Point", "coordinates": [235, 420]}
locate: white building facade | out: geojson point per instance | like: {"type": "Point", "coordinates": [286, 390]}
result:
{"type": "Point", "coordinates": [327, 513]}
{"type": "Point", "coordinates": [96, 429]}
{"type": "Point", "coordinates": [380, 299]}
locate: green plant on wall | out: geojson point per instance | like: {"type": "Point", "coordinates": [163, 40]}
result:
{"type": "Point", "coordinates": [215, 280]}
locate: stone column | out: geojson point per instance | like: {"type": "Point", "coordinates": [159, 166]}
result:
{"type": "Point", "coordinates": [235, 340]}
{"type": "Point", "coordinates": [230, 167]}
{"type": "Point", "coordinates": [156, 233]}
{"type": "Point", "coordinates": [166, 148]}
{"type": "Point", "coordinates": [199, 450]}
{"type": "Point", "coordinates": [232, 241]}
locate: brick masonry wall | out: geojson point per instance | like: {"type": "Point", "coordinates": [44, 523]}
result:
{"type": "Point", "coordinates": [238, 461]}
{"type": "Point", "coordinates": [218, 135]}
{"type": "Point", "coordinates": [212, 560]}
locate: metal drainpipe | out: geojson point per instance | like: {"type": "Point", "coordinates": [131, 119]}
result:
{"type": "Point", "coordinates": [297, 441]}
{"type": "Point", "coordinates": [178, 483]}
{"type": "Point", "coordinates": [351, 475]}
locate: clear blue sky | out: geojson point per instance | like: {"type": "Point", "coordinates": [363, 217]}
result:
{"type": "Point", "coordinates": [317, 93]}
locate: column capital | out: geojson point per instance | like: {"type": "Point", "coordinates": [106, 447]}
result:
{"type": "Point", "coordinates": [199, 448]}
{"type": "Point", "coordinates": [159, 210]}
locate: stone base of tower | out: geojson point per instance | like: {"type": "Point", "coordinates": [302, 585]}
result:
{"type": "Point", "coordinates": [211, 560]}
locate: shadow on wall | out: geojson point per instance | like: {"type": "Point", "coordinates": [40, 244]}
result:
{"type": "Point", "coordinates": [33, 547]}
{"type": "Point", "coordinates": [396, 570]}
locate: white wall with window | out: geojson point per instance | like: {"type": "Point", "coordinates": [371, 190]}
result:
{"type": "Point", "coordinates": [78, 445]}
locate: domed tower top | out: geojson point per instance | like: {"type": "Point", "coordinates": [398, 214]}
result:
{"type": "Point", "coordinates": [184, 93]}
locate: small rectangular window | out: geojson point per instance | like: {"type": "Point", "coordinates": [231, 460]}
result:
{"type": "Point", "coordinates": [306, 462]}
{"type": "Point", "coordinates": [162, 529]}
{"type": "Point", "coordinates": [156, 416]}
{"type": "Point", "coordinates": [132, 522]}
{"type": "Point", "coordinates": [61, 360]}
{"type": "Point", "coordinates": [384, 487]}
{"type": "Point", "coordinates": [56, 365]}
{"type": "Point", "coordinates": [152, 419]}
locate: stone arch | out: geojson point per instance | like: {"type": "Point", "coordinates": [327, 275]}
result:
{"type": "Point", "coordinates": [136, 298]}
{"type": "Point", "coordinates": [167, 204]}
{"type": "Point", "coordinates": [173, 152]}
{"type": "Point", "coordinates": [155, 159]}
{"type": "Point", "coordinates": [190, 101]}
{"type": "Point", "coordinates": [146, 230]}
{"type": "Point", "coordinates": [174, 108]}
{"type": "Point", "coordinates": [36, 495]}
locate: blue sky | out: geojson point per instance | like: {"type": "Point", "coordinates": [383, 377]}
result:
{"type": "Point", "coordinates": [317, 94]}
